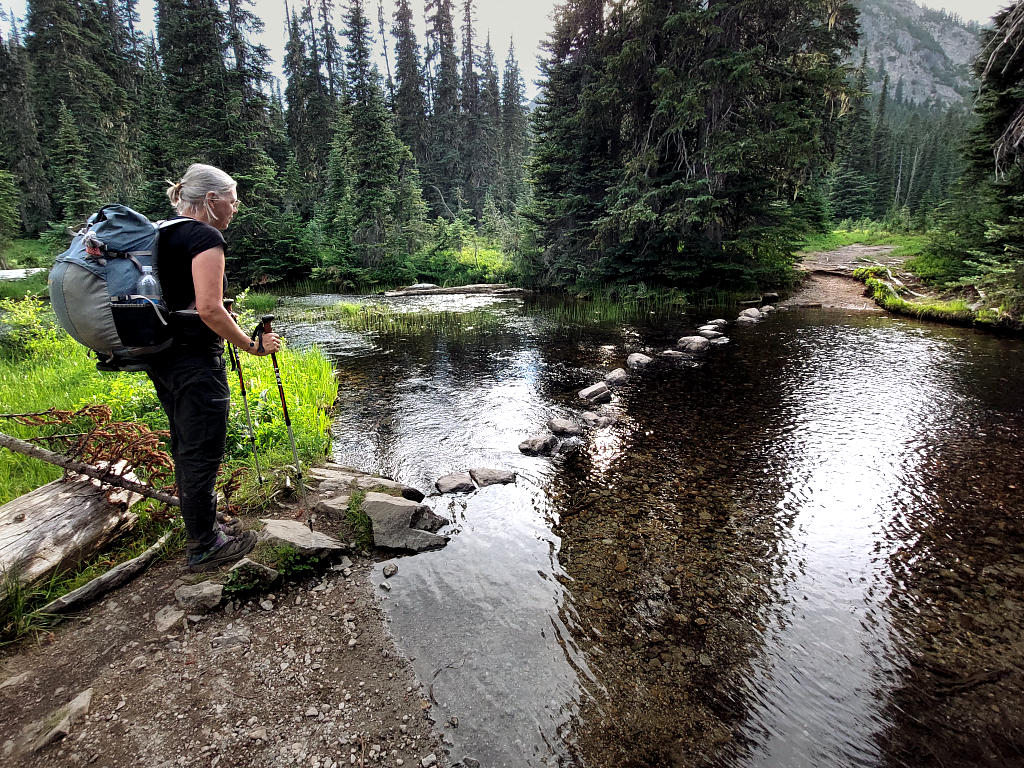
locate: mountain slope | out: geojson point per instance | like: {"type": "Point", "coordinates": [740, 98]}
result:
{"type": "Point", "coordinates": [930, 51]}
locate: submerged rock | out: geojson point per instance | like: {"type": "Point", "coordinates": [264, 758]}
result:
{"type": "Point", "coordinates": [392, 520]}
{"type": "Point", "coordinates": [569, 446]}
{"type": "Point", "coordinates": [564, 427]}
{"type": "Point", "coordinates": [594, 421]}
{"type": "Point", "coordinates": [539, 446]}
{"type": "Point", "coordinates": [693, 344]}
{"type": "Point", "coordinates": [637, 360]}
{"type": "Point", "coordinates": [457, 482]}
{"type": "Point", "coordinates": [484, 477]}
{"type": "Point", "coordinates": [598, 393]}
{"type": "Point", "coordinates": [617, 377]}
{"type": "Point", "coordinates": [672, 353]}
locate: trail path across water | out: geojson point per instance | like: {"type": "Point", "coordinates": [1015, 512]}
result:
{"type": "Point", "coordinates": [830, 282]}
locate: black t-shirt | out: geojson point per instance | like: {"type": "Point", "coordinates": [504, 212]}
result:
{"type": "Point", "coordinates": [178, 245]}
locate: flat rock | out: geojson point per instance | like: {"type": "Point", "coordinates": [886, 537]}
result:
{"type": "Point", "coordinates": [425, 519]}
{"type": "Point", "coordinates": [484, 477]}
{"type": "Point", "coordinates": [334, 507]}
{"type": "Point", "coordinates": [199, 598]}
{"type": "Point", "coordinates": [457, 482]}
{"type": "Point", "coordinates": [693, 344]}
{"type": "Point", "coordinates": [595, 421]}
{"type": "Point", "coordinates": [167, 617]}
{"type": "Point", "coordinates": [672, 353]}
{"type": "Point", "coordinates": [58, 723]}
{"type": "Point", "coordinates": [237, 636]}
{"type": "Point", "coordinates": [721, 322]}
{"type": "Point", "coordinates": [16, 680]}
{"type": "Point", "coordinates": [637, 360]}
{"type": "Point", "coordinates": [710, 334]}
{"type": "Point", "coordinates": [392, 519]}
{"type": "Point", "coordinates": [292, 533]}
{"type": "Point", "coordinates": [259, 575]}
{"type": "Point", "coordinates": [617, 378]}
{"type": "Point", "coordinates": [597, 393]}
{"type": "Point", "coordinates": [335, 478]}
{"type": "Point", "coordinates": [752, 312]}
{"type": "Point", "coordinates": [542, 445]}
{"type": "Point", "coordinates": [720, 341]}
{"type": "Point", "coordinates": [564, 427]}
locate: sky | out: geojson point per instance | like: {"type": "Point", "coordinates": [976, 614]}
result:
{"type": "Point", "coordinates": [526, 22]}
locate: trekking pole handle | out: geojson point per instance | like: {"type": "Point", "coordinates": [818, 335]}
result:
{"type": "Point", "coordinates": [260, 329]}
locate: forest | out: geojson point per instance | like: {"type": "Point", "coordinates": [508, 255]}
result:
{"type": "Point", "coordinates": [683, 145]}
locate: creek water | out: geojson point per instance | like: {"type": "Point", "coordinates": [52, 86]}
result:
{"type": "Point", "coordinates": [807, 550]}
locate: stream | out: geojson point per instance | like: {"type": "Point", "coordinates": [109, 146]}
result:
{"type": "Point", "coordinates": [807, 550]}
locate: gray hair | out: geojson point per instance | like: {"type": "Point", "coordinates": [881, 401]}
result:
{"type": "Point", "coordinates": [189, 194]}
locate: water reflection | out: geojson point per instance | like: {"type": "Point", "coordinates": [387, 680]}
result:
{"type": "Point", "coordinates": [768, 560]}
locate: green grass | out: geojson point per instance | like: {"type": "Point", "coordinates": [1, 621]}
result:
{"type": "Point", "coordinates": [359, 520]}
{"type": "Point", "coordinates": [953, 311]}
{"type": "Point", "coordinates": [907, 245]}
{"type": "Point", "coordinates": [33, 285]}
{"type": "Point", "coordinates": [385, 321]}
{"type": "Point", "coordinates": [258, 303]}
{"type": "Point", "coordinates": [28, 253]}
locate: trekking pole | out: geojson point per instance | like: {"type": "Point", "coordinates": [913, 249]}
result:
{"type": "Point", "coordinates": [236, 365]}
{"type": "Point", "coordinates": [257, 335]}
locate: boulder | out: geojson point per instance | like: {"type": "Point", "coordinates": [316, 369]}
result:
{"type": "Point", "coordinates": [199, 598]}
{"type": "Point", "coordinates": [569, 446]}
{"type": "Point", "coordinates": [693, 344]}
{"type": "Point", "coordinates": [484, 477]}
{"type": "Point", "coordinates": [259, 575]}
{"type": "Point", "coordinates": [333, 508]}
{"type": "Point", "coordinates": [564, 427]}
{"type": "Point", "coordinates": [166, 618]}
{"type": "Point", "coordinates": [767, 309]}
{"type": "Point", "coordinates": [419, 286]}
{"type": "Point", "coordinates": [744, 320]}
{"type": "Point", "coordinates": [335, 478]}
{"type": "Point", "coordinates": [616, 378]}
{"type": "Point", "coordinates": [710, 334]}
{"type": "Point", "coordinates": [457, 482]}
{"type": "Point", "coordinates": [392, 518]}
{"type": "Point", "coordinates": [292, 533]}
{"type": "Point", "coordinates": [539, 446]}
{"type": "Point", "coordinates": [425, 519]}
{"type": "Point", "coordinates": [637, 360]}
{"type": "Point", "coordinates": [598, 393]}
{"type": "Point", "coordinates": [752, 312]}
{"type": "Point", "coordinates": [591, 419]}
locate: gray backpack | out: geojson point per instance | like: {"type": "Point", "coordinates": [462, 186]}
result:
{"type": "Point", "coordinates": [94, 289]}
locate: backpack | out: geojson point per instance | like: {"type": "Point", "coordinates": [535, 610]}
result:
{"type": "Point", "coordinates": [93, 289]}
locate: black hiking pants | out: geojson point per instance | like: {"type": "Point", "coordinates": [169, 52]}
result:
{"type": "Point", "coordinates": [194, 393]}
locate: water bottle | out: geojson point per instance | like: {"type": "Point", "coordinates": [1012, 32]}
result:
{"type": "Point", "coordinates": [148, 285]}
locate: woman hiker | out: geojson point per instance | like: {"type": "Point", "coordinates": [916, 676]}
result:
{"type": "Point", "coordinates": [189, 377]}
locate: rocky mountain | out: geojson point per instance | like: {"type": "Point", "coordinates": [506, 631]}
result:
{"type": "Point", "coordinates": [930, 52]}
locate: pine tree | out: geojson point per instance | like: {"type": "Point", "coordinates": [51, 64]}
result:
{"type": "Point", "coordinates": [514, 132]}
{"type": "Point", "coordinates": [470, 141]}
{"type": "Point", "coordinates": [852, 188]}
{"type": "Point", "coordinates": [442, 171]}
{"type": "Point", "coordinates": [486, 154]}
{"type": "Point", "coordinates": [77, 192]}
{"type": "Point", "coordinates": [881, 162]}
{"type": "Point", "coordinates": [20, 152]}
{"type": "Point", "coordinates": [410, 102]}
{"type": "Point", "coordinates": [10, 220]}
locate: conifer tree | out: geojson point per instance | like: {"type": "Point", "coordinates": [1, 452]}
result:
{"type": "Point", "coordinates": [852, 191]}
{"type": "Point", "coordinates": [10, 224]}
{"type": "Point", "coordinates": [514, 131]}
{"type": "Point", "coordinates": [881, 163]}
{"type": "Point", "coordinates": [20, 152]}
{"type": "Point", "coordinates": [76, 191]}
{"type": "Point", "coordinates": [410, 103]}
{"type": "Point", "coordinates": [443, 169]}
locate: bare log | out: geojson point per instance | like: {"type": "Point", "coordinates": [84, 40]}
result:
{"type": "Point", "coordinates": [60, 525]}
{"type": "Point", "coordinates": [107, 581]}
{"type": "Point", "coordinates": [104, 475]}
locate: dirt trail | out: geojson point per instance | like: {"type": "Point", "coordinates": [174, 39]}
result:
{"type": "Point", "coordinates": [308, 676]}
{"type": "Point", "coordinates": [829, 281]}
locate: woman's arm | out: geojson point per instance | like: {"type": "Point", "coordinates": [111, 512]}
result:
{"type": "Point", "coordinates": [208, 276]}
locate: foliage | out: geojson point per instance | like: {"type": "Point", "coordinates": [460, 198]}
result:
{"type": "Point", "coordinates": [33, 285]}
{"type": "Point", "coordinates": [359, 520]}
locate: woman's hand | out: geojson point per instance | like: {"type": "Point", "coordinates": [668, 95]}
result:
{"type": "Point", "coordinates": [271, 344]}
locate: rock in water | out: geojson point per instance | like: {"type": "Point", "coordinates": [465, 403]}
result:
{"type": "Point", "coordinates": [484, 477]}
{"type": "Point", "coordinates": [564, 427]}
{"type": "Point", "coordinates": [767, 309]}
{"type": "Point", "coordinates": [199, 598]}
{"type": "Point", "coordinates": [693, 344]}
{"type": "Point", "coordinates": [710, 334]}
{"type": "Point", "coordinates": [617, 378]}
{"type": "Point", "coordinates": [457, 482]}
{"type": "Point", "coordinates": [719, 322]}
{"type": "Point", "coordinates": [752, 312]}
{"type": "Point", "coordinates": [598, 393]}
{"type": "Point", "coordinates": [292, 533]}
{"type": "Point", "coordinates": [247, 571]}
{"type": "Point", "coordinates": [770, 296]}
{"type": "Point", "coordinates": [720, 341]}
{"type": "Point", "coordinates": [392, 519]}
{"type": "Point", "coordinates": [425, 519]}
{"type": "Point", "coordinates": [594, 421]}
{"type": "Point", "coordinates": [539, 446]}
{"type": "Point", "coordinates": [389, 570]}
{"type": "Point", "coordinates": [637, 360]}
{"type": "Point", "coordinates": [745, 320]}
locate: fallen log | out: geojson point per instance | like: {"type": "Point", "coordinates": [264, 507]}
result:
{"type": "Point", "coordinates": [115, 577]}
{"type": "Point", "coordinates": [103, 474]}
{"type": "Point", "coordinates": [60, 525]}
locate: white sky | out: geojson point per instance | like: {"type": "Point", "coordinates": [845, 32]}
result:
{"type": "Point", "coordinates": [526, 21]}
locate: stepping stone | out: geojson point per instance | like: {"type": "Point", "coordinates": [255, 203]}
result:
{"type": "Point", "coordinates": [617, 377]}
{"type": "Point", "coordinates": [292, 533]}
{"type": "Point", "coordinates": [637, 360]}
{"type": "Point", "coordinates": [539, 446]}
{"type": "Point", "coordinates": [598, 393]}
{"type": "Point", "coordinates": [752, 312]}
{"type": "Point", "coordinates": [392, 519]}
{"type": "Point", "coordinates": [484, 477]}
{"type": "Point", "coordinates": [591, 419]}
{"type": "Point", "coordinates": [457, 482]}
{"type": "Point", "coordinates": [711, 334]}
{"type": "Point", "coordinates": [564, 427]}
{"type": "Point", "coordinates": [693, 344]}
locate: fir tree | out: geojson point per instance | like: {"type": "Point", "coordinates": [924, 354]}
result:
{"type": "Point", "coordinates": [410, 103]}
{"type": "Point", "coordinates": [10, 224]}
{"type": "Point", "coordinates": [514, 131]}
{"type": "Point", "coordinates": [443, 170]}
{"type": "Point", "coordinates": [76, 191]}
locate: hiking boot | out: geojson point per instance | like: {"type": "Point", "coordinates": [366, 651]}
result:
{"type": "Point", "coordinates": [230, 524]}
{"type": "Point", "coordinates": [228, 549]}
